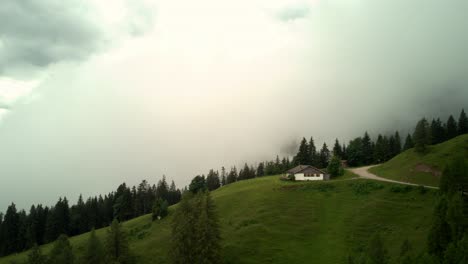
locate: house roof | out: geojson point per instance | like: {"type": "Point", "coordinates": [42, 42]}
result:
{"type": "Point", "coordinates": [305, 169]}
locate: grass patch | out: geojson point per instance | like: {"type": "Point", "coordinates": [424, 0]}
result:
{"type": "Point", "coordinates": [423, 169]}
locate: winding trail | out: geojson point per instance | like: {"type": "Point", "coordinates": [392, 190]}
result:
{"type": "Point", "coordinates": [363, 172]}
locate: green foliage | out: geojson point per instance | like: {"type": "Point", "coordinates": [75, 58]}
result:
{"type": "Point", "coordinates": [61, 252]}
{"type": "Point", "coordinates": [422, 136]}
{"type": "Point", "coordinates": [401, 188]}
{"type": "Point", "coordinates": [406, 166]}
{"type": "Point", "coordinates": [303, 156]}
{"type": "Point", "coordinates": [117, 247]}
{"type": "Point", "coordinates": [160, 209]}
{"type": "Point", "coordinates": [440, 233]}
{"type": "Point", "coordinates": [365, 187]}
{"type": "Point", "coordinates": [212, 180]}
{"type": "Point", "coordinates": [195, 231]}
{"type": "Point", "coordinates": [36, 256]}
{"type": "Point", "coordinates": [197, 184]}
{"type": "Point", "coordinates": [95, 250]}
{"type": "Point", "coordinates": [335, 168]}
{"type": "Point", "coordinates": [408, 143]}
{"type": "Point", "coordinates": [262, 221]}
{"type": "Point", "coordinates": [462, 123]}
{"type": "Point", "coordinates": [451, 128]}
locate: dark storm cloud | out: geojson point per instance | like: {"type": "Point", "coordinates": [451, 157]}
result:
{"type": "Point", "coordinates": [35, 34]}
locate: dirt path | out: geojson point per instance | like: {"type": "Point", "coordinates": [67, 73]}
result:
{"type": "Point", "coordinates": [364, 173]}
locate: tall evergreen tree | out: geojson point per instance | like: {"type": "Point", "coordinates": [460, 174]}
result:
{"type": "Point", "coordinates": [440, 233]}
{"type": "Point", "coordinates": [116, 246]}
{"type": "Point", "coordinates": [197, 184]}
{"type": "Point", "coordinates": [367, 149]}
{"type": "Point", "coordinates": [334, 168]}
{"type": "Point", "coordinates": [421, 136]}
{"type": "Point", "coordinates": [408, 143]}
{"type": "Point", "coordinates": [337, 151]}
{"type": "Point", "coordinates": [260, 170]}
{"type": "Point", "coordinates": [462, 123]}
{"type": "Point", "coordinates": [212, 180]}
{"type": "Point", "coordinates": [313, 156]}
{"type": "Point", "coordinates": [223, 176]}
{"type": "Point", "coordinates": [302, 157]}
{"type": "Point", "coordinates": [354, 152]}
{"type": "Point", "coordinates": [195, 231]}
{"type": "Point", "coordinates": [324, 156]}
{"type": "Point", "coordinates": [232, 176]}
{"type": "Point", "coordinates": [437, 132]}
{"type": "Point", "coordinates": [61, 252]}
{"type": "Point", "coordinates": [451, 128]}
{"type": "Point", "coordinates": [397, 144]}
{"type": "Point", "coordinates": [380, 150]}
{"type": "Point", "coordinates": [95, 250]}
{"type": "Point", "coordinates": [11, 230]}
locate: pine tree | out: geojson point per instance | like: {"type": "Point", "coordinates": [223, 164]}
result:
{"type": "Point", "coordinates": [197, 184]}
{"type": "Point", "coordinates": [212, 180]}
{"type": "Point", "coordinates": [260, 170]}
{"type": "Point", "coordinates": [195, 231]}
{"type": "Point", "coordinates": [302, 157]}
{"type": "Point", "coordinates": [208, 235]}
{"type": "Point", "coordinates": [36, 256]}
{"type": "Point", "coordinates": [116, 247]}
{"type": "Point", "coordinates": [379, 150]}
{"type": "Point", "coordinates": [324, 156]}
{"type": "Point", "coordinates": [223, 176]}
{"type": "Point", "coordinates": [11, 230]}
{"type": "Point", "coordinates": [95, 250]}
{"type": "Point", "coordinates": [337, 151]}
{"type": "Point", "coordinates": [451, 128]}
{"type": "Point", "coordinates": [439, 234]}
{"type": "Point", "coordinates": [421, 136]}
{"type": "Point", "coordinates": [437, 132]}
{"type": "Point", "coordinates": [462, 123]}
{"type": "Point", "coordinates": [232, 176]}
{"type": "Point", "coordinates": [62, 252]}
{"type": "Point", "coordinates": [334, 168]}
{"type": "Point", "coordinates": [313, 156]}
{"type": "Point", "coordinates": [397, 144]}
{"type": "Point", "coordinates": [354, 152]}
{"type": "Point", "coordinates": [408, 143]}
{"type": "Point", "coordinates": [367, 149]}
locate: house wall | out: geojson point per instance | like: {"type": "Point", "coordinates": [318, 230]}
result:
{"type": "Point", "coordinates": [301, 177]}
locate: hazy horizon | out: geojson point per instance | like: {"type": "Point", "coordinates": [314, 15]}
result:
{"type": "Point", "coordinates": [105, 92]}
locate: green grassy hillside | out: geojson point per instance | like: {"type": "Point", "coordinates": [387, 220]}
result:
{"type": "Point", "coordinates": [426, 168]}
{"type": "Point", "coordinates": [266, 220]}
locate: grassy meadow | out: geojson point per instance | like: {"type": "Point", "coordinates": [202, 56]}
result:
{"type": "Point", "coordinates": [265, 220]}
{"type": "Point", "coordinates": [425, 169]}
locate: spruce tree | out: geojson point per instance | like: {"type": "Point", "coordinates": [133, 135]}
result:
{"type": "Point", "coordinates": [197, 184]}
{"type": "Point", "coordinates": [208, 246]}
{"type": "Point", "coordinates": [116, 247]}
{"type": "Point", "coordinates": [232, 176]}
{"type": "Point", "coordinates": [95, 250]}
{"type": "Point", "coordinates": [462, 123]}
{"type": "Point", "coordinates": [421, 136]}
{"type": "Point", "coordinates": [61, 252]}
{"type": "Point", "coordinates": [440, 233]}
{"type": "Point", "coordinates": [313, 156]}
{"type": "Point", "coordinates": [334, 168]}
{"type": "Point", "coordinates": [11, 230]}
{"type": "Point", "coordinates": [367, 149]}
{"type": "Point", "coordinates": [260, 170]}
{"type": "Point", "coordinates": [397, 146]}
{"type": "Point", "coordinates": [408, 142]}
{"type": "Point", "coordinates": [324, 156]}
{"type": "Point", "coordinates": [437, 132]}
{"type": "Point", "coordinates": [160, 209]}
{"type": "Point", "coordinates": [223, 176]}
{"type": "Point", "coordinates": [302, 157]}
{"type": "Point", "coordinates": [337, 151]}
{"type": "Point", "coordinates": [212, 180]}
{"type": "Point", "coordinates": [451, 128]}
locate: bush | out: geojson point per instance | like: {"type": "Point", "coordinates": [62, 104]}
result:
{"type": "Point", "coordinates": [401, 188]}
{"type": "Point", "coordinates": [365, 187]}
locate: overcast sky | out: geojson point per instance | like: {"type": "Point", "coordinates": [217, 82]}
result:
{"type": "Point", "coordinates": [94, 93]}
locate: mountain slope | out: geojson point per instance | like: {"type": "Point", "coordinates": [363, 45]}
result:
{"type": "Point", "coordinates": [424, 169]}
{"type": "Point", "coordinates": [265, 220]}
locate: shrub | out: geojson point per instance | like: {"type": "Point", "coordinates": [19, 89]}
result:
{"type": "Point", "coordinates": [160, 209]}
